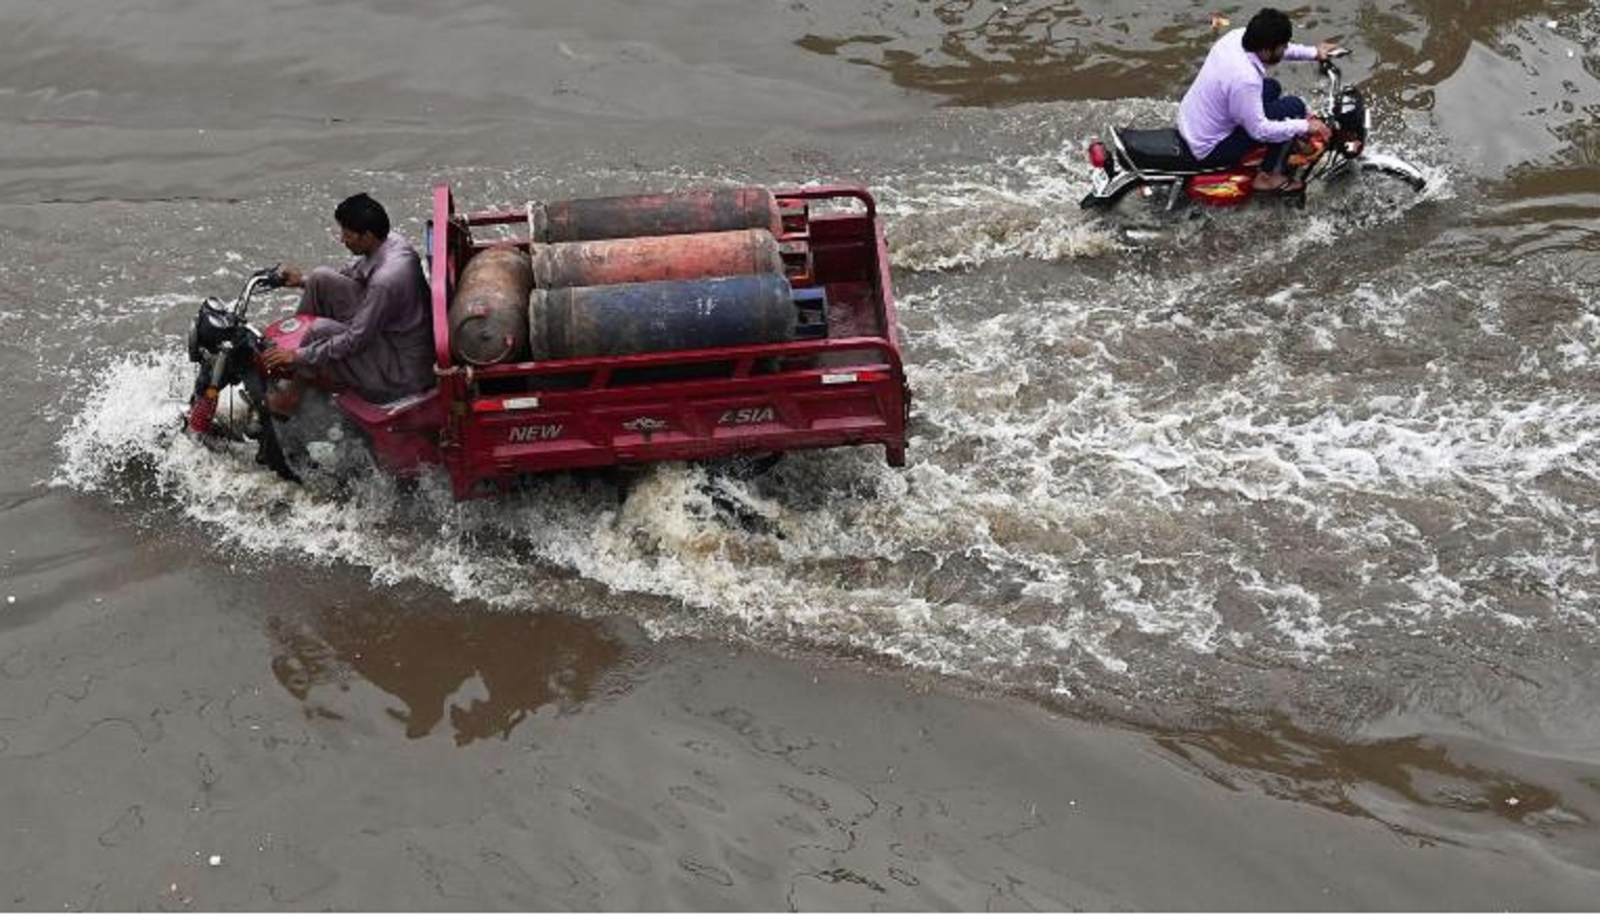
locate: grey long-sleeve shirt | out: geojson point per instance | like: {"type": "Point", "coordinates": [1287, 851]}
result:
{"type": "Point", "coordinates": [386, 342]}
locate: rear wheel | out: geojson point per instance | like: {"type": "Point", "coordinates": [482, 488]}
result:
{"type": "Point", "coordinates": [744, 466]}
{"type": "Point", "coordinates": [1101, 203]}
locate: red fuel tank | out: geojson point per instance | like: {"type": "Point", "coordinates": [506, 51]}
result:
{"type": "Point", "coordinates": [717, 210]}
{"type": "Point", "coordinates": [653, 258]}
{"type": "Point", "coordinates": [488, 316]}
{"type": "Point", "coordinates": [632, 318]}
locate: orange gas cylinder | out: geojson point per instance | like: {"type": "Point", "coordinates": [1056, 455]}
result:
{"type": "Point", "coordinates": [661, 257]}
{"type": "Point", "coordinates": [489, 314]}
{"type": "Point", "coordinates": [718, 210]}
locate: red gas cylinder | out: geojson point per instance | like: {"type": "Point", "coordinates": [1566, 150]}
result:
{"type": "Point", "coordinates": [661, 257]}
{"type": "Point", "coordinates": [632, 318]}
{"type": "Point", "coordinates": [488, 316]}
{"type": "Point", "coordinates": [718, 210]}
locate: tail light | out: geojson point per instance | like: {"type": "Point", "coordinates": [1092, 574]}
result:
{"type": "Point", "coordinates": [1098, 157]}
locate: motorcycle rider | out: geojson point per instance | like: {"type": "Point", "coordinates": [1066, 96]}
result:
{"type": "Point", "coordinates": [1233, 106]}
{"type": "Point", "coordinates": [373, 330]}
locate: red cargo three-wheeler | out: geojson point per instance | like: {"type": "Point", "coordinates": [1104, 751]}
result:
{"type": "Point", "coordinates": [606, 378]}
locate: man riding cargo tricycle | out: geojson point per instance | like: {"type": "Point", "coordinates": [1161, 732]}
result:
{"type": "Point", "coordinates": [600, 332]}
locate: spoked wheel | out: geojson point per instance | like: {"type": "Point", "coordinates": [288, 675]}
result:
{"type": "Point", "coordinates": [1096, 202]}
{"type": "Point", "coordinates": [744, 467]}
{"type": "Point", "coordinates": [1385, 180]}
{"type": "Point", "coordinates": [267, 430]}
{"type": "Point", "coordinates": [1382, 169]}
{"type": "Point", "coordinates": [256, 425]}
{"type": "Point", "coordinates": [727, 497]}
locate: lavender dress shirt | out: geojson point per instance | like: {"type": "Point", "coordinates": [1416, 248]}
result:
{"type": "Point", "coordinates": [1227, 94]}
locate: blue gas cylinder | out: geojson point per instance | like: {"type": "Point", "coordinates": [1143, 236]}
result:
{"type": "Point", "coordinates": [631, 318]}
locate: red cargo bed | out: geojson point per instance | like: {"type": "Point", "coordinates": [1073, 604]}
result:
{"type": "Point", "coordinates": [840, 382]}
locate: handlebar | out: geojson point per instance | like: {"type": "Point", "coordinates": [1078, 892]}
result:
{"type": "Point", "coordinates": [1335, 77]}
{"type": "Point", "coordinates": [265, 278]}
{"type": "Point", "coordinates": [270, 277]}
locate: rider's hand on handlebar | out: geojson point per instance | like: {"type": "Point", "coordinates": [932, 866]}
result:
{"type": "Point", "coordinates": [1319, 129]}
{"type": "Point", "coordinates": [277, 357]}
{"type": "Point", "coordinates": [292, 276]}
{"type": "Point", "coordinates": [1327, 49]}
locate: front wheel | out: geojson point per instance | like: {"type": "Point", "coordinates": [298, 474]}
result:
{"type": "Point", "coordinates": [266, 429]}
{"type": "Point", "coordinates": [270, 453]}
{"type": "Point", "coordinates": [1378, 169]}
{"type": "Point", "coordinates": [1378, 183]}
{"type": "Point", "coordinates": [1384, 166]}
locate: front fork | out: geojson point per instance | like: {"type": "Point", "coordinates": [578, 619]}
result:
{"type": "Point", "coordinates": [203, 409]}
{"type": "Point", "coordinates": [207, 388]}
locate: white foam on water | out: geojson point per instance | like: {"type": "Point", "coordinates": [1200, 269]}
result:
{"type": "Point", "coordinates": [1072, 505]}
{"type": "Point", "coordinates": [136, 404]}
{"type": "Point", "coordinates": [665, 539]}
{"type": "Point", "coordinates": [954, 221]}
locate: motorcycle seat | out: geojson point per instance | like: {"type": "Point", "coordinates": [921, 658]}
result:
{"type": "Point", "coordinates": [1161, 150]}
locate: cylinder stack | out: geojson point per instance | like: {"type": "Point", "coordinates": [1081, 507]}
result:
{"type": "Point", "coordinates": [627, 275]}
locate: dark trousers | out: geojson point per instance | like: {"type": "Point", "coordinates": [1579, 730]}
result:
{"type": "Point", "coordinates": [1235, 146]}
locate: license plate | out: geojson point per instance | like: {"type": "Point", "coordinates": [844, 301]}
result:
{"type": "Point", "coordinates": [1100, 180]}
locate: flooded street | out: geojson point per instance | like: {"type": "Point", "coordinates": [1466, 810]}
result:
{"type": "Point", "coordinates": [1231, 543]}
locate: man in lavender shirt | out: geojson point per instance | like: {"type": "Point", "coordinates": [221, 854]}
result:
{"type": "Point", "coordinates": [373, 330]}
{"type": "Point", "coordinates": [1233, 107]}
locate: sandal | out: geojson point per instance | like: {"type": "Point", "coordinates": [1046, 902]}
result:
{"type": "Point", "coordinates": [1286, 187]}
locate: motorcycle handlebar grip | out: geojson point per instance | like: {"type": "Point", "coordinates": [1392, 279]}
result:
{"type": "Point", "coordinates": [272, 277]}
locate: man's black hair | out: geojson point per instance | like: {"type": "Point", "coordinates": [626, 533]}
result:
{"type": "Point", "coordinates": [1267, 29]}
{"type": "Point", "coordinates": [363, 214]}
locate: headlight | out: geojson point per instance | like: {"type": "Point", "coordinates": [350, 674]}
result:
{"type": "Point", "coordinates": [212, 327]}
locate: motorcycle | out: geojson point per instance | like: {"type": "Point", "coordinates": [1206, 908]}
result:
{"type": "Point", "coordinates": [228, 352]}
{"type": "Point", "coordinates": [1158, 161]}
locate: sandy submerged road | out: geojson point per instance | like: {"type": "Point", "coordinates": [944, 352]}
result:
{"type": "Point", "coordinates": [363, 751]}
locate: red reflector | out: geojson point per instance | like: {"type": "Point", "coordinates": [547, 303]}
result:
{"type": "Point", "coordinates": [1097, 154]}
{"type": "Point", "coordinates": [500, 404]}
{"type": "Point", "coordinates": [857, 377]}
